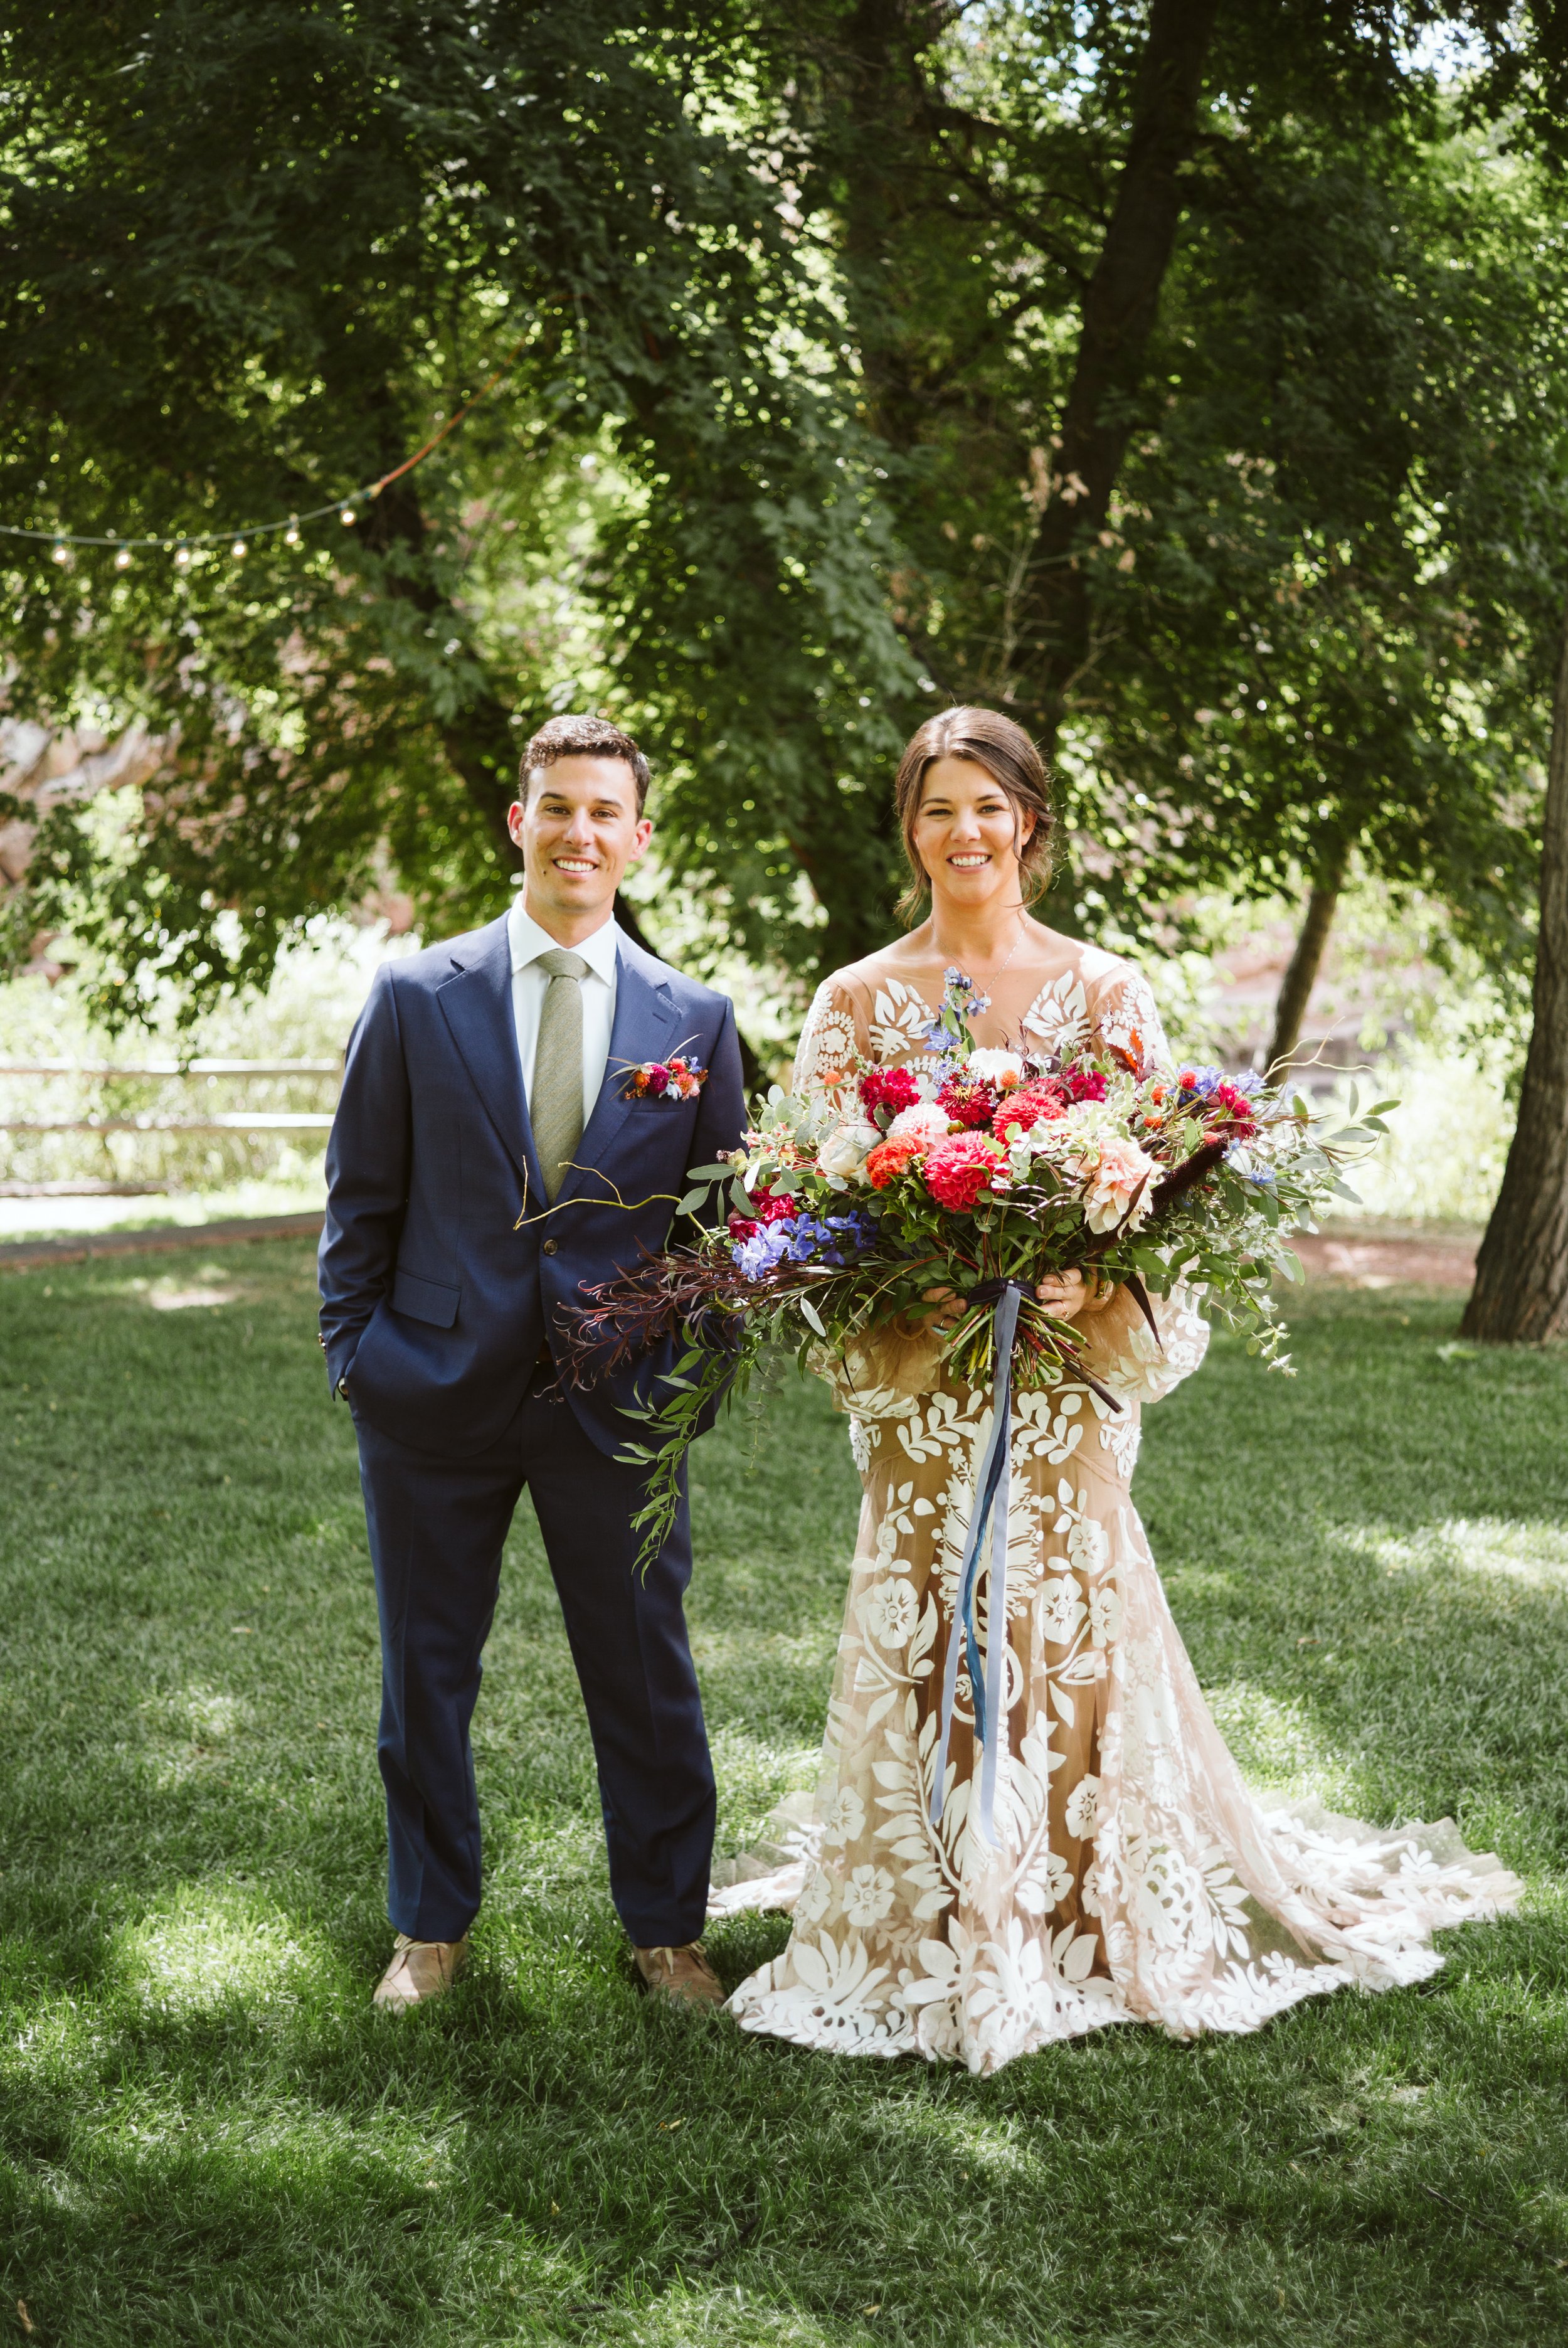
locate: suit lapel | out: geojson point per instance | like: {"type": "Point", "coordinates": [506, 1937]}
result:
{"type": "Point", "coordinates": [477, 1002]}
{"type": "Point", "coordinates": [642, 1029]}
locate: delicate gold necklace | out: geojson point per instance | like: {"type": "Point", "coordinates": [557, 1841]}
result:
{"type": "Point", "coordinates": [990, 979]}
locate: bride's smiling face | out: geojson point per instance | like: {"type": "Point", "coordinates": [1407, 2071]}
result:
{"type": "Point", "coordinates": [968, 832]}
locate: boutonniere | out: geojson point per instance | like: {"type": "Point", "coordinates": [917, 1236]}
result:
{"type": "Point", "coordinates": [671, 1080]}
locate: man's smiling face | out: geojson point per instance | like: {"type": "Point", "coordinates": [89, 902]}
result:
{"type": "Point", "coordinates": [578, 830]}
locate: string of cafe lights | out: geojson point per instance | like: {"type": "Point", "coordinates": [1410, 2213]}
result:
{"type": "Point", "coordinates": [184, 545]}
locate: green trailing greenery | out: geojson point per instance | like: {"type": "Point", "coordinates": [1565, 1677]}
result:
{"type": "Point", "coordinates": [206, 2135]}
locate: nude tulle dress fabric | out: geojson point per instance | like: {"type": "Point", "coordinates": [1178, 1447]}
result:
{"type": "Point", "coordinates": [1137, 1878]}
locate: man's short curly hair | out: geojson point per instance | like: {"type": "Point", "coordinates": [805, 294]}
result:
{"type": "Point", "coordinates": [572, 737]}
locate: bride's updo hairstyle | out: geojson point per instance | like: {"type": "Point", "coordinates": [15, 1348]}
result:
{"type": "Point", "coordinates": [1003, 748]}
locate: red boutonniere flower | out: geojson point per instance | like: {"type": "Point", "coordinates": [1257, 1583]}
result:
{"type": "Point", "coordinates": [671, 1080]}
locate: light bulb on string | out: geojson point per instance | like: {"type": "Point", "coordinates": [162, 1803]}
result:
{"type": "Point", "coordinates": [349, 512]}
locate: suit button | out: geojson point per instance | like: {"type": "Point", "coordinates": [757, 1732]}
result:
{"type": "Point", "coordinates": [550, 1247]}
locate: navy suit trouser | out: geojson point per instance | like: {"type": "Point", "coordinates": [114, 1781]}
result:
{"type": "Point", "coordinates": [437, 1527]}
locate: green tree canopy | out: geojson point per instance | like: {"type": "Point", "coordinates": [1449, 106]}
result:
{"type": "Point", "coordinates": [1174, 374]}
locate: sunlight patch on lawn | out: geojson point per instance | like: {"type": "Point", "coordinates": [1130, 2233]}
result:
{"type": "Point", "coordinates": [60, 2045]}
{"type": "Point", "coordinates": [755, 1773]}
{"type": "Point", "coordinates": [1532, 1551]}
{"type": "Point", "coordinates": [216, 1946]}
{"type": "Point", "coordinates": [1277, 1743]}
{"type": "Point", "coordinates": [197, 1722]}
{"type": "Point", "coordinates": [981, 2143]}
{"type": "Point", "coordinates": [211, 1285]}
{"type": "Point", "coordinates": [731, 2317]}
{"type": "Point", "coordinates": [752, 1651]}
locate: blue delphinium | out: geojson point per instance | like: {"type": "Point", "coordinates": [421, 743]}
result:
{"type": "Point", "coordinates": [961, 1001]}
{"type": "Point", "coordinates": [804, 1239]}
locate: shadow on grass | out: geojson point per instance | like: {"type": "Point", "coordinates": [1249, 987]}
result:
{"type": "Point", "coordinates": [1370, 1565]}
{"type": "Point", "coordinates": [205, 2134]}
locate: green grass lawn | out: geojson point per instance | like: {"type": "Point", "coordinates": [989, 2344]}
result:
{"type": "Point", "coordinates": [206, 2135]}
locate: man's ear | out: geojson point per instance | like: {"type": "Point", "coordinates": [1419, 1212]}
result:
{"type": "Point", "coordinates": [641, 838]}
{"type": "Point", "coordinates": [514, 822]}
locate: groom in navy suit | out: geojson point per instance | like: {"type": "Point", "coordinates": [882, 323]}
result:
{"type": "Point", "coordinates": [489, 1160]}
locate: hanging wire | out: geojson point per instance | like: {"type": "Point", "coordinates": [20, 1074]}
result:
{"type": "Point", "coordinates": [239, 541]}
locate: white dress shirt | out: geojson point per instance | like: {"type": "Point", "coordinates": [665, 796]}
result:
{"type": "Point", "coordinates": [601, 953]}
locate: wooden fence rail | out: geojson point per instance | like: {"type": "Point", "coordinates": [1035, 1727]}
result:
{"type": "Point", "coordinates": [236, 1120]}
{"type": "Point", "coordinates": [165, 1068]}
{"type": "Point", "coordinates": [256, 1121]}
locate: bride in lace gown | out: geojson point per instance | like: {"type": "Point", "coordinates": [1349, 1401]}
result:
{"type": "Point", "coordinates": [1136, 1877]}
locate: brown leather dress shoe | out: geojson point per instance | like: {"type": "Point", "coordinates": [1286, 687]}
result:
{"type": "Point", "coordinates": [419, 1970]}
{"type": "Point", "coordinates": [683, 1976]}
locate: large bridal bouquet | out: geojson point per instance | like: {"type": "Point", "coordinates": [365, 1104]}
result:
{"type": "Point", "coordinates": [933, 1198]}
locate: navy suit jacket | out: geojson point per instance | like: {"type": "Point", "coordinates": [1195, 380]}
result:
{"type": "Point", "coordinates": [442, 1263]}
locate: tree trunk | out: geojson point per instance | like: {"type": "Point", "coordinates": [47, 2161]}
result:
{"type": "Point", "coordinates": [1301, 973]}
{"type": "Point", "coordinates": [1521, 1293]}
{"type": "Point", "coordinates": [885, 160]}
{"type": "Point", "coordinates": [1119, 306]}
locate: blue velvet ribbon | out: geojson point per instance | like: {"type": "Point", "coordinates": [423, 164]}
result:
{"type": "Point", "coordinates": [992, 1508]}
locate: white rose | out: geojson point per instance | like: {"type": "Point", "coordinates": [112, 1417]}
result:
{"type": "Point", "coordinates": [992, 1067]}
{"type": "Point", "coordinates": [846, 1149]}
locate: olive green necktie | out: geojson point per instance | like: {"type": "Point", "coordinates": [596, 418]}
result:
{"type": "Point", "coordinates": [555, 1108]}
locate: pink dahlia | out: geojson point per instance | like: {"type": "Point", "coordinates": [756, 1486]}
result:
{"type": "Point", "coordinates": [958, 1170]}
{"type": "Point", "coordinates": [1031, 1105]}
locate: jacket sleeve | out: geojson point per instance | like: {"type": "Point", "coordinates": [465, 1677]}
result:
{"type": "Point", "coordinates": [368, 1153]}
{"type": "Point", "coordinates": [721, 1114]}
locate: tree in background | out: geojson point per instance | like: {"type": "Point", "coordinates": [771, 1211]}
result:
{"type": "Point", "coordinates": [1114, 364]}
{"type": "Point", "coordinates": [1521, 1291]}
{"type": "Point", "coordinates": [251, 258]}
{"type": "Point", "coordinates": [1221, 548]}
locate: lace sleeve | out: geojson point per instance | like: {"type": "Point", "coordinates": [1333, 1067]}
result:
{"type": "Point", "coordinates": [1125, 1020]}
{"type": "Point", "coordinates": [829, 1040]}
{"type": "Point", "coordinates": [1120, 1350]}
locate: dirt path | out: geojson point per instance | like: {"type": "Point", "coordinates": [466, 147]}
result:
{"type": "Point", "coordinates": [22, 1255]}
{"type": "Point", "coordinates": [1389, 1263]}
